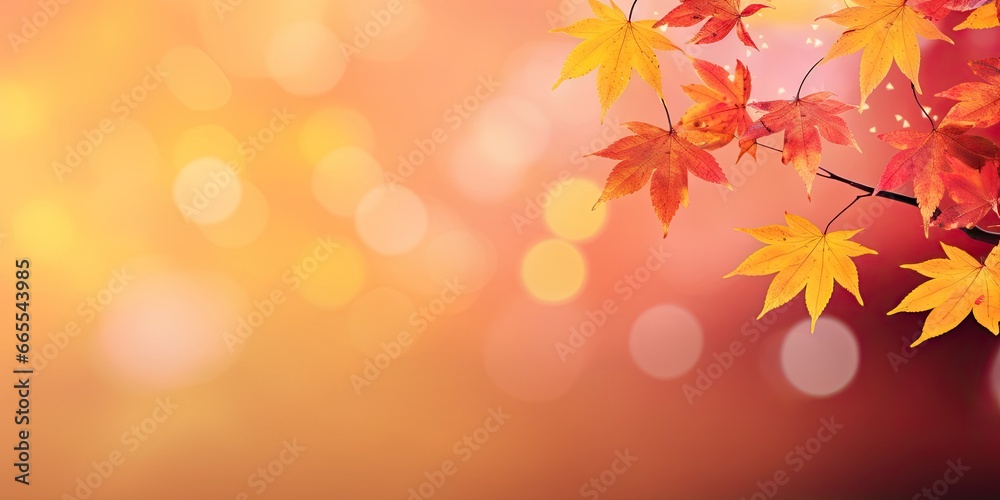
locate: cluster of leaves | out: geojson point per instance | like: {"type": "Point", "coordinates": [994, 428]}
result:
{"type": "Point", "coordinates": [945, 160]}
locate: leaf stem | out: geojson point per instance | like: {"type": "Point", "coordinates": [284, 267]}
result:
{"type": "Point", "coordinates": [849, 205]}
{"type": "Point", "coordinates": [799, 92]}
{"type": "Point", "coordinates": [630, 10]}
{"type": "Point", "coordinates": [922, 110]}
{"type": "Point", "coordinates": [974, 232]}
{"type": "Point", "coordinates": [772, 148]}
{"type": "Point", "coordinates": [669, 121]}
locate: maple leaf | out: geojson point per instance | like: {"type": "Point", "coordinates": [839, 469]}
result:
{"type": "Point", "coordinates": [927, 156]}
{"type": "Point", "coordinates": [974, 194]}
{"type": "Point", "coordinates": [804, 121]}
{"type": "Point", "coordinates": [720, 111]}
{"type": "Point", "coordinates": [806, 258]}
{"type": "Point", "coordinates": [959, 284]}
{"type": "Point", "coordinates": [615, 44]}
{"type": "Point", "coordinates": [979, 103]}
{"type": "Point", "coordinates": [981, 18]}
{"type": "Point", "coordinates": [937, 9]}
{"type": "Point", "coordinates": [662, 158]}
{"type": "Point", "coordinates": [722, 15]}
{"type": "Point", "coordinates": [886, 30]}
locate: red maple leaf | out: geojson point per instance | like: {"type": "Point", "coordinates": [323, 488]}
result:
{"type": "Point", "coordinates": [804, 121]}
{"type": "Point", "coordinates": [936, 9]}
{"type": "Point", "coordinates": [662, 158]}
{"type": "Point", "coordinates": [974, 194]}
{"type": "Point", "coordinates": [722, 15]}
{"type": "Point", "coordinates": [719, 114]}
{"type": "Point", "coordinates": [926, 158]}
{"type": "Point", "coordinates": [979, 103]}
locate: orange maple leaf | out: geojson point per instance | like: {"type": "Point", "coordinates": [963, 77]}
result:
{"type": "Point", "coordinates": [927, 156]}
{"type": "Point", "coordinates": [719, 114]}
{"type": "Point", "coordinates": [722, 15]}
{"type": "Point", "coordinates": [981, 18]}
{"type": "Point", "coordinates": [979, 103]}
{"type": "Point", "coordinates": [804, 121]}
{"type": "Point", "coordinates": [974, 194]}
{"type": "Point", "coordinates": [662, 158]}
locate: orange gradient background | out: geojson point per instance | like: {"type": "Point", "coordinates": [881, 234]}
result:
{"type": "Point", "coordinates": [264, 266]}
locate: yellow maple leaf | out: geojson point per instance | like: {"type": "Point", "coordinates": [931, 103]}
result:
{"type": "Point", "coordinates": [981, 18]}
{"type": "Point", "coordinates": [886, 30]}
{"type": "Point", "coordinates": [803, 257]}
{"type": "Point", "coordinates": [959, 285]}
{"type": "Point", "coordinates": [617, 45]}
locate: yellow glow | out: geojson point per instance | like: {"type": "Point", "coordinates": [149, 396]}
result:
{"type": "Point", "coordinates": [553, 271]}
{"type": "Point", "coordinates": [329, 129]}
{"type": "Point", "coordinates": [195, 79]}
{"type": "Point", "coordinates": [391, 220]}
{"type": "Point", "coordinates": [45, 230]}
{"type": "Point", "coordinates": [22, 114]}
{"type": "Point", "coordinates": [334, 282]}
{"type": "Point", "coordinates": [207, 191]}
{"type": "Point", "coordinates": [569, 214]}
{"type": "Point", "coordinates": [208, 140]}
{"type": "Point", "coordinates": [246, 224]}
{"type": "Point", "coordinates": [343, 177]}
{"type": "Point", "coordinates": [379, 316]}
{"type": "Point", "coordinates": [305, 58]}
{"type": "Point", "coordinates": [128, 155]}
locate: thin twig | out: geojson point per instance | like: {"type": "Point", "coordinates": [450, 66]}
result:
{"type": "Point", "coordinates": [849, 205]}
{"type": "Point", "coordinates": [922, 110]}
{"type": "Point", "coordinates": [669, 121]}
{"type": "Point", "coordinates": [630, 10]}
{"type": "Point", "coordinates": [974, 232]}
{"type": "Point", "coordinates": [799, 92]}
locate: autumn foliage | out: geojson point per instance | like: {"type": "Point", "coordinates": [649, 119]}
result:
{"type": "Point", "coordinates": [952, 171]}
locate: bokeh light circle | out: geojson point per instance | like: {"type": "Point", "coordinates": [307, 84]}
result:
{"type": "Point", "coordinates": [305, 58]}
{"type": "Point", "coordinates": [343, 177]}
{"type": "Point", "coordinates": [571, 213]}
{"type": "Point", "coordinates": [823, 363]}
{"type": "Point", "coordinates": [169, 330]}
{"type": "Point", "coordinates": [207, 191]}
{"type": "Point", "coordinates": [391, 219]}
{"type": "Point", "coordinates": [333, 128]}
{"type": "Point", "coordinates": [460, 255]}
{"type": "Point", "coordinates": [336, 279]}
{"type": "Point", "coordinates": [529, 352]}
{"type": "Point", "coordinates": [245, 225]}
{"type": "Point", "coordinates": [506, 136]}
{"type": "Point", "coordinates": [553, 271]}
{"type": "Point", "coordinates": [666, 341]}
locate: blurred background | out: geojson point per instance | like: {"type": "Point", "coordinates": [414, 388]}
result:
{"type": "Point", "coordinates": [318, 249]}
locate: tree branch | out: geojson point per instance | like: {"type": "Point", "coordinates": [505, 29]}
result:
{"type": "Point", "coordinates": [974, 232]}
